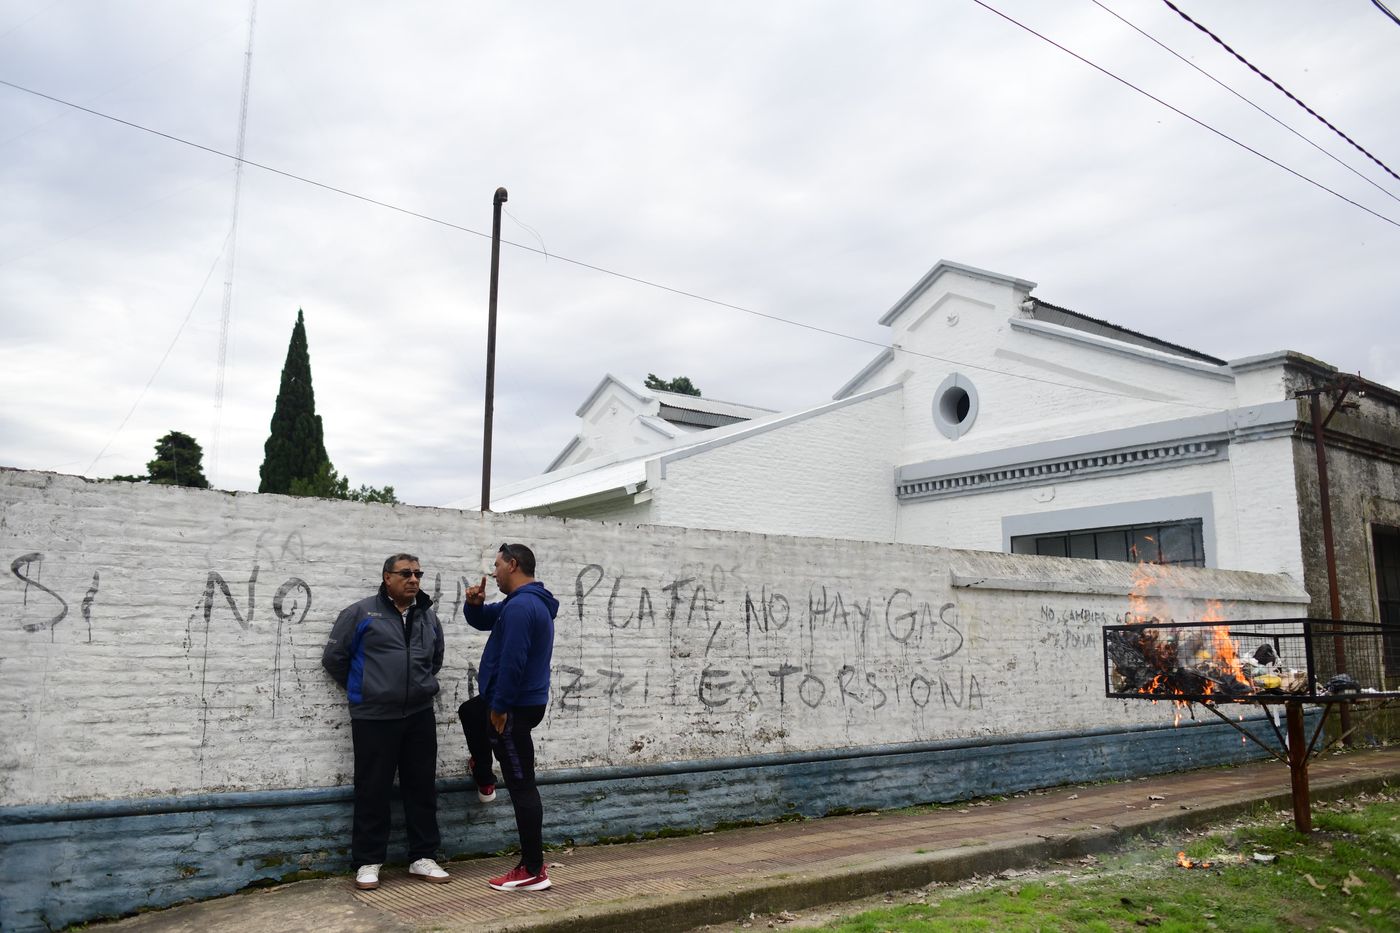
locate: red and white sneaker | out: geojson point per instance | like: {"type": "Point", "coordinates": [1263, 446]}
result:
{"type": "Point", "coordinates": [521, 878]}
{"type": "Point", "coordinates": [484, 792]}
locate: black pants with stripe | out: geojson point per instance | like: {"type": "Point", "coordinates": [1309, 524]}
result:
{"type": "Point", "coordinates": [476, 726]}
{"type": "Point", "coordinates": [515, 750]}
{"type": "Point", "coordinates": [382, 747]}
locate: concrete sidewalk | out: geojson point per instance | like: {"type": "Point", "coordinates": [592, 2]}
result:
{"type": "Point", "coordinates": [682, 883]}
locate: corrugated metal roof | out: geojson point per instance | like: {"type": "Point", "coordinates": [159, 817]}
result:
{"type": "Point", "coordinates": [1054, 314]}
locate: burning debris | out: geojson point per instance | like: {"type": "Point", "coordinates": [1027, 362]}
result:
{"type": "Point", "coordinates": [1186, 861]}
{"type": "Point", "coordinates": [1217, 661]}
{"type": "Point", "coordinates": [1196, 661]}
{"type": "Point", "coordinates": [1263, 660]}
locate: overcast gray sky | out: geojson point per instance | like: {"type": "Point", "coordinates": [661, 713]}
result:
{"type": "Point", "coordinates": [809, 160]}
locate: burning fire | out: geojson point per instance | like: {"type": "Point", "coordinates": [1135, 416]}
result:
{"type": "Point", "coordinates": [1186, 861]}
{"type": "Point", "coordinates": [1147, 578]}
{"type": "Point", "coordinates": [1177, 663]}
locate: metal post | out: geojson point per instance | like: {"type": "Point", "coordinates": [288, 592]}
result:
{"type": "Point", "coordinates": [1329, 549]}
{"type": "Point", "coordinates": [496, 203]}
{"type": "Point", "coordinates": [1298, 768]}
{"type": "Point", "coordinates": [1315, 408]}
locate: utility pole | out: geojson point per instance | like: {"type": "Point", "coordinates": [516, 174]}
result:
{"type": "Point", "coordinates": [1319, 424]}
{"type": "Point", "coordinates": [496, 203]}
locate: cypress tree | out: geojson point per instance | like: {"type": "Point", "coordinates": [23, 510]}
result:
{"type": "Point", "coordinates": [295, 448]}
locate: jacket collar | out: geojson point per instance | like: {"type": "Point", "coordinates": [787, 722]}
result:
{"type": "Point", "coordinates": [422, 601]}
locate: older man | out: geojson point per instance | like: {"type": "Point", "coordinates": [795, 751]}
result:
{"type": "Point", "coordinates": [386, 650]}
{"type": "Point", "coordinates": [514, 682]}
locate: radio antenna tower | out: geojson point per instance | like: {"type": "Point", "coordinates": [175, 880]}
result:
{"type": "Point", "coordinates": [232, 245]}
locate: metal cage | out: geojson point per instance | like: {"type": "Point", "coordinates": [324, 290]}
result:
{"type": "Point", "coordinates": [1254, 661]}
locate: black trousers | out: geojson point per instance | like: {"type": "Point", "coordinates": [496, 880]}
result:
{"type": "Point", "coordinates": [382, 747]}
{"type": "Point", "coordinates": [476, 726]}
{"type": "Point", "coordinates": [515, 750]}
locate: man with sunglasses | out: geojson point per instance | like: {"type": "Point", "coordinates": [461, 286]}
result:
{"type": "Point", "coordinates": [386, 650]}
{"type": "Point", "coordinates": [513, 682]}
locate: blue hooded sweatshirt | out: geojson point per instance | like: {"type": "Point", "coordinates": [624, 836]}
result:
{"type": "Point", "coordinates": [514, 667]}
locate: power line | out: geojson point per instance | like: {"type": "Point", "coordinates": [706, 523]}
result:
{"type": "Point", "coordinates": [1382, 7]}
{"type": "Point", "coordinates": [266, 168]}
{"type": "Point", "coordinates": [24, 22]}
{"type": "Point", "coordinates": [1246, 62]}
{"type": "Point", "coordinates": [166, 355]}
{"type": "Point", "coordinates": [1176, 110]}
{"type": "Point", "coordinates": [49, 244]}
{"type": "Point", "coordinates": [623, 275]}
{"type": "Point", "coordinates": [1251, 103]}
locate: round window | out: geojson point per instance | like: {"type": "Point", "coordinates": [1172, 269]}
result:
{"type": "Point", "coordinates": [955, 406]}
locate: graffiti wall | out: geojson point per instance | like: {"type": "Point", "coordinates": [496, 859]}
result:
{"type": "Point", "coordinates": [161, 641]}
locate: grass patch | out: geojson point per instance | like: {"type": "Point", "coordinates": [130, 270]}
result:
{"type": "Point", "coordinates": [1265, 877]}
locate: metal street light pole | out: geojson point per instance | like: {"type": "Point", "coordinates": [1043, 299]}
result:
{"type": "Point", "coordinates": [496, 202]}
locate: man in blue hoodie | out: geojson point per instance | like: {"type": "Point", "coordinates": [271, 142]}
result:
{"type": "Point", "coordinates": [514, 690]}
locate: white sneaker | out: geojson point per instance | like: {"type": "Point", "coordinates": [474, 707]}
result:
{"type": "Point", "coordinates": [425, 869]}
{"type": "Point", "coordinates": [367, 877]}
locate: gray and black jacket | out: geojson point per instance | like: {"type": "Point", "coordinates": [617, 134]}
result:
{"type": "Point", "coordinates": [387, 667]}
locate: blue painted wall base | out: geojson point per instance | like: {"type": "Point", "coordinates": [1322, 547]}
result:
{"type": "Point", "coordinates": [68, 863]}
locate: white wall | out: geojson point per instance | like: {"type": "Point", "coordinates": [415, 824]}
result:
{"type": "Point", "coordinates": [828, 475]}
{"type": "Point", "coordinates": [125, 670]}
{"type": "Point", "coordinates": [1254, 495]}
{"type": "Point", "coordinates": [1030, 387]}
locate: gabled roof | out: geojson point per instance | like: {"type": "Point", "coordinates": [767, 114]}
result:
{"type": "Point", "coordinates": [678, 414]}
{"type": "Point", "coordinates": [625, 472]}
{"type": "Point", "coordinates": [936, 272]}
{"type": "Point", "coordinates": [608, 379]}
{"type": "Point", "coordinates": [676, 400]}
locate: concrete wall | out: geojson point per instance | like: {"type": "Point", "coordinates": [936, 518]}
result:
{"type": "Point", "coordinates": [166, 730]}
{"type": "Point", "coordinates": [1363, 467]}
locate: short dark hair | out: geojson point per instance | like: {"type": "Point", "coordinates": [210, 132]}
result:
{"type": "Point", "coordinates": [395, 558]}
{"type": "Point", "coordinates": [523, 556]}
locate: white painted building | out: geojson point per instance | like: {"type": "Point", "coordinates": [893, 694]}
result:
{"type": "Point", "coordinates": [996, 422]}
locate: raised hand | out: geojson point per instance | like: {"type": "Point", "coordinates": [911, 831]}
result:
{"type": "Point", "coordinates": [476, 595]}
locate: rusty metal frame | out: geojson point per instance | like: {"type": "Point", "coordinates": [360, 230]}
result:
{"type": "Point", "coordinates": [1292, 748]}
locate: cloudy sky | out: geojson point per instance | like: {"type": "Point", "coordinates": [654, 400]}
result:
{"type": "Point", "coordinates": [809, 160]}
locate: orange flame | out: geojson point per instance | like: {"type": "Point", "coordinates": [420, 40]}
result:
{"type": "Point", "coordinates": [1185, 861]}
{"type": "Point", "coordinates": [1144, 606]}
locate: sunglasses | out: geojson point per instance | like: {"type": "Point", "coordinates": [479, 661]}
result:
{"type": "Point", "coordinates": [416, 574]}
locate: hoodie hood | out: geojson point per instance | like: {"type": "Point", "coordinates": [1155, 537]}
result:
{"type": "Point", "coordinates": [535, 589]}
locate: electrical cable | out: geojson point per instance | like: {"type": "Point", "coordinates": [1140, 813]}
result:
{"type": "Point", "coordinates": [1201, 123]}
{"type": "Point", "coordinates": [657, 285]}
{"type": "Point", "coordinates": [1246, 62]}
{"type": "Point", "coordinates": [1386, 10]}
{"type": "Point", "coordinates": [49, 244]}
{"type": "Point", "coordinates": [205, 284]}
{"type": "Point", "coordinates": [1251, 103]}
{"type": "Point", "coordinates": [114, 87]}
{"type": "Point", "coordinates": [24, 22]}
